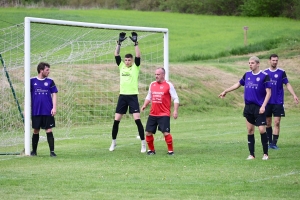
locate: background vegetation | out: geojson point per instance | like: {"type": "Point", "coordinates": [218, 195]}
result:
{"type": "Point", "coordinates": [259, 8]}
{"type": "Point", "coordinates": [209, 135]}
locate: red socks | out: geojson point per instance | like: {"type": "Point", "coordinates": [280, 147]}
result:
{"type": "Point", "coordinates": [150, 140]}
{"type": "Point", "coordinates": [169, 141]}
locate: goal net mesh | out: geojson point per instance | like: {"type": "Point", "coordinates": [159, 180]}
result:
{"type": "Point", "coordinates": [84, 70]}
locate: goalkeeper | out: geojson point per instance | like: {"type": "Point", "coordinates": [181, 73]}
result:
{"type": "Point", "coordinates": [129, 74]}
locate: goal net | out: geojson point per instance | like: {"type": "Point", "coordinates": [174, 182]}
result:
{"type": "Point", "coordinates": [83, 67]}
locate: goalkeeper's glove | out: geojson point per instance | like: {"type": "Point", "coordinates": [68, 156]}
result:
{"type": "Point", "coordinates": [134, 38]}
{"type": "Point", "coordinates": [121, 38]}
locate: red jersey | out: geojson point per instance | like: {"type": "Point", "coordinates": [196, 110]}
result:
{"type": "Point", "coordinates": [160, 95]}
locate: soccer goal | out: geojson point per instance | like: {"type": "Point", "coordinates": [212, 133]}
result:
{"type": "Point", "coordinates": [83, 67]}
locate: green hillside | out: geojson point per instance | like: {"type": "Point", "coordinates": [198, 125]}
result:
{"type": "Point", "coordinates": [204, 50]}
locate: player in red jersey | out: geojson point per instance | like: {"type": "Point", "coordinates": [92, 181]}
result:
{"type": "Point", "coordinates": [160, 94]}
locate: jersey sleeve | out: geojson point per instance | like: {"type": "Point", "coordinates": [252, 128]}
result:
{"type": "Point", "coordinates": [53, 87]}
{"type": "Point", "coordinates": [137, 61]}
{"type": "Point", "coordinates": [118, 60]}
{"type": "Point", "coordinates": [173, 93]}
{"type": "Point", "coordinates": [149, 97]}
{"type": "Point", "coordinates": [284, 78]}
{"type": "Point", "coordinates": [242, 81]}
{"type": "Point", "coordinates": [267, 82]}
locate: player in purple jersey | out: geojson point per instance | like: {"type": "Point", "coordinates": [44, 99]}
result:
{"type": "Point", "coordinates": [43, 106]}
{"type": "Point", "coordinates": [257, 92]}
{"type": "Point", "coordinates": [275, 105]}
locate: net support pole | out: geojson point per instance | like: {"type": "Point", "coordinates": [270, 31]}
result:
{"type": "Point", "coordinates": [166, 54]}
{"type": "Point", "coordinates": [27, 107]}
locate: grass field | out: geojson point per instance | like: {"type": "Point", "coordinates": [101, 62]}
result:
{"type": "Point", "coordinates": [210, 136]}
{"type": "Point", "coordinates": [209, 163]}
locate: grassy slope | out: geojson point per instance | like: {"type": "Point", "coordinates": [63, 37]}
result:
{"type": "Point", "coordinates": [194, 34]}
{"type": "Point", "coordinates": [210, 143]}
{"type": "Point", "coordinates": [189, 34]}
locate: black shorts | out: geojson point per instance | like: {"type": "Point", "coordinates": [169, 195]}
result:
{"type": "Point", "coordinates": [251, 113]}
{"type": "Point", "coordinates": [43, 122]}
{"type": "Point", "coordinates": [163, 124]}
{"type": "Point", "coordinates": [277, 110]}
{"type": "Point", "coordinates": [126, 101]}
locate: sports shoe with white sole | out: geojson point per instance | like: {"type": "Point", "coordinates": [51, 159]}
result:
{"type": "Point", "coordinates": [143, 147]}
{"type": "Point", "coordinates": [52, 154]}
{"type": "Point", "coordinates": [265, 157]}
{"type": "Point", "coordinates": [170, 153]}
{"type": "Point", "coordinates": [112, 146]}
{"type": "Point", "coordinates": [150, 152]}
{"type": "Point", "coordinates": [250, 157]}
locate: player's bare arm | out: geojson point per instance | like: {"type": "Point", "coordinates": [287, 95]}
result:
{"type": "Point", "coordinates": [267, 98]}
{"type": "Point", "coordinates": [146, 103]}
{"type": "Point", "coordinates": [175, 113]}
{"type": "Point", "coordinates": [54, 101]}
{"type": "Point", "coordinates": [122, 37]}
{"type": "Point", "coordinates": [233, 87]}
{"type": "Point", "coordinates": [117, 51]}
{"type": "Point", "coordinates": [290, 89]}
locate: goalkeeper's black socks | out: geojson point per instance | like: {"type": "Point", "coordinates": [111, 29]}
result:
{"type": "Point", "coordinates": [115, 129]}
{"type": "Point", "coordinates": [140, 129]}
{"type": "Point", "coordinates": [50, 140]}
{"type": "Point", "coordinates": [251, 143]}
{"type": "Point", "coordinates": [35, 141]}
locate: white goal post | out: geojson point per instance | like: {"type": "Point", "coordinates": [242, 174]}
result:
{"type": "Point", "coordinates": [91, 44]}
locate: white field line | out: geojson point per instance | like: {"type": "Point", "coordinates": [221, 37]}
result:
{"type": "Point", "coordinates": [275, 177]}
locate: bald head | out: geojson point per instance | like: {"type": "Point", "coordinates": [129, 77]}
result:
{"type": "Point", "coordinates": [160, 74]}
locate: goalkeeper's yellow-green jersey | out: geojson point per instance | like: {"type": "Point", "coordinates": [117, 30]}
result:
{"type": "Point", "coordinates": [129, 77]}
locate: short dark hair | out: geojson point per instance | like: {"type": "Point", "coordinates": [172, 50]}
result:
{"type": "Point", "coordinates": [129, 55]}
{"type": "Point", "coordinates": [42, 65]}
{"type": "Point", "coordinates": [273, 56]}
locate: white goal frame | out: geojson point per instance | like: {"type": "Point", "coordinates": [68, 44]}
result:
{"type": "Point", "coordinates": [27, 51]}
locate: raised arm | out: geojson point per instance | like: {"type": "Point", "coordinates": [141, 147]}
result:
{"type": "Point", "coordinates": [137, 51]}
{"type": "Point", "coordinates": [134, 38]}
{"type": "Point", "coordinates": [122, 37]}
{"type": "Point", "coordinates": [117, 51]}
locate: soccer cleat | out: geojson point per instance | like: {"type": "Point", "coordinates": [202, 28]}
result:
{"type": "Point", "coordinates": [265, 157]}
{"type": "Point", "coordinates": [151, 152]}
{"type": "Point", "coordinates": [52, 154]}
{"type": "Point", "coordinates": [273, 146]}
{"type": "Point", "coordinates": [250, 157]}
{"type": "Point", "coordinates": [33, 153]}
{"type": "Point", "coordinates": [143, 148]}
{"type": "Point", "coordinates": [170, 153]}
{"type": "Point", "coordinates": [112, 146]}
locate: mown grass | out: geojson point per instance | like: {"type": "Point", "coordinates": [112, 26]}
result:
{"type": "Point", "coordinates": [209, 163]}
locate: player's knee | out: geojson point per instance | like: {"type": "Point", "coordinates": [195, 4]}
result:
{"type": "Point", "coordinates": [149, 135]}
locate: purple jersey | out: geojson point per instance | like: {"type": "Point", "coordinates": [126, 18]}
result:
{"type": "Point", "coordinates": [41, 96]}
{"type": "Point", "coordinates": [278, 78]}
{"type": "Point", "coordinates": [255, 87]}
